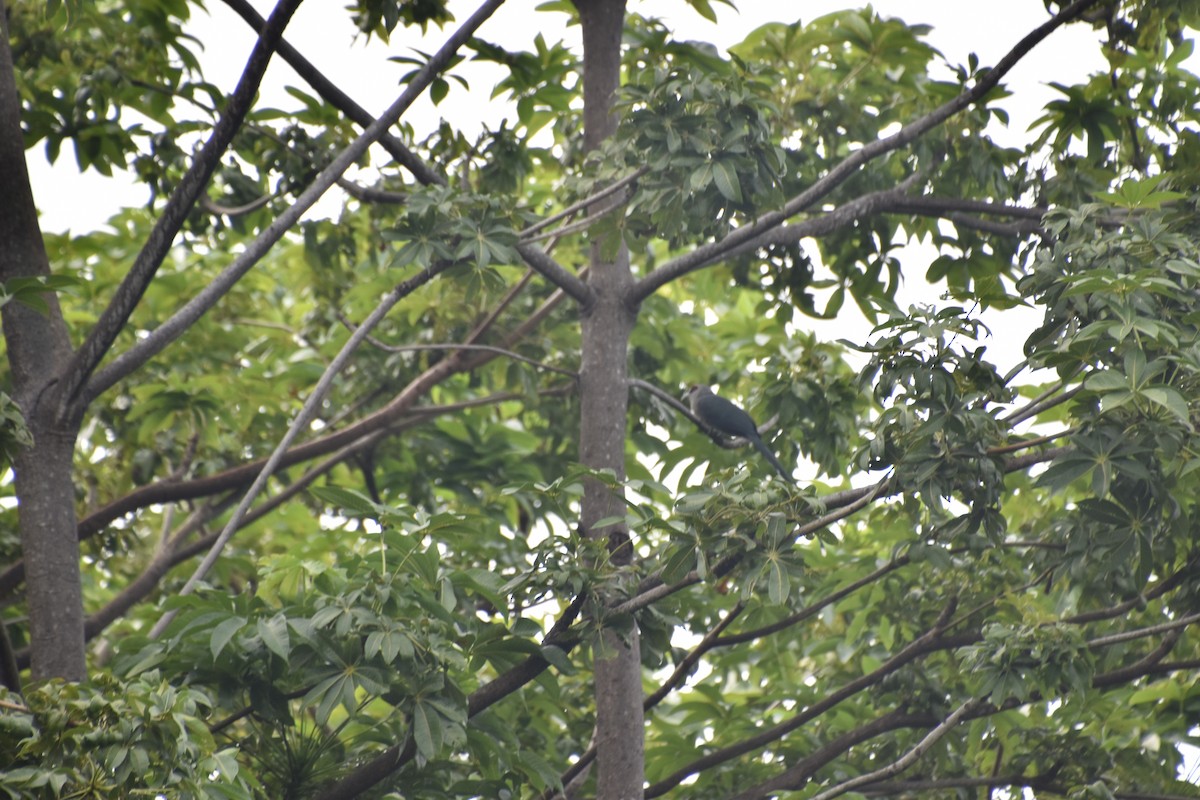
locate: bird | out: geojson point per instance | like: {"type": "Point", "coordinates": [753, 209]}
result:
{"type": "Point", "coordinates": [726, 418]}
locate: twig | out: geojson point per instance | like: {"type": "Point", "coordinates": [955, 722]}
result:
{"type": "Point", "coordinates": [483, 348]}
{"type": "Point", "coordinates": [906, 760]}
{"type": "Point", "coordinates": [585, 202]}
{"type": "Point", "coordinates": [213, 207]}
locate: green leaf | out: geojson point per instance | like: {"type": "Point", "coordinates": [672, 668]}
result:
{"type": "Point", "coordinates": [726, 178]}
{"type": "Point", "coordinates": [223, 633]}
{"type": "Point", "coordinates": [779, 585]}
{"type": "Point", "coordinates": [274, 633]}
{"type": "Point", "coordinates": [427, 731]}
{"type": "Point", "coordinates": [1170, 399]}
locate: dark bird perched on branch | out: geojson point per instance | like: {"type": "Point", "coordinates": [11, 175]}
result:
{"type": "Point", "coordinates": [725, 418]}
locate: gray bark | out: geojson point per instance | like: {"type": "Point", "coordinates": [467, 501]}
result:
{"type": "Point", "coordinates": [607, 321]}
{"type": "Point", "coordinates": [38, 350]}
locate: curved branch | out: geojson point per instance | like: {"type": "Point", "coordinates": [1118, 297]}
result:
{"type": "Point", "coordinates": [800, 772]}
{"type": "Point", "coordinates": [813, 608]}
{"type": "Point", "coordinates": [929, 642]}
{"type": "Point", "coordinates": [367, 194]}
{"type": "Point", "coordinates": [908, 759]}
{"type": "Point", "coordinates": [934, 205]}
{"type": "Point", "coordinates": [1041, 403]}
{"type": "Point", "coordinates": [833, 220]}
{"type": "Point", "coordinates": [213, 207]}
{"type": "Point", "coordinates": [480, 348]}
{"type": "Point", "coordinates": [585, 202]}
{"type": "Point", "coordinates": [708, 253]}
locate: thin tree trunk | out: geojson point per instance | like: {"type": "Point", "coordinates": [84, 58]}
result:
{"type": "Point", "coordinates": [606, 326]}
{"type": "Point", "coordinates": [39, 347]}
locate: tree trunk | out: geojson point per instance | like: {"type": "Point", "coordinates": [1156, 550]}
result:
{"type": "Point", "coordinates": [38, 349]}
{"type": "Point", "coordinates": [606, 327]}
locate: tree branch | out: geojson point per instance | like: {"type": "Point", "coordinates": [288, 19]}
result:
{"type": "Point", "coordinates": [552, 271]}
{"type": "Point", "coordinates": [908, 759]}
{"type": "Point", "coordinates": [174, 327]}
{"type": "Point", "coordinates": [533, 256]}
{"type": "Point", "coordinates": [330, 93]}
{"type": "Point", "coordinates": [73, 396]}
{"type": "Point", "coordinates": [929, 642]}
{"type": "Point", "coordinates": [708, 253]}
{"type": "Point", "coordinates": [307, 412]}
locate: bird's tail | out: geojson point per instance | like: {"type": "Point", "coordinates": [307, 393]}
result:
{"type": "Point", "coordinates": [766, 451]}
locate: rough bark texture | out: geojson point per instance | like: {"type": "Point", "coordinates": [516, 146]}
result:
{"type": "Point", "coordinates": [606, 325]}
{"type": "Point", "coordinates": [38, 349]}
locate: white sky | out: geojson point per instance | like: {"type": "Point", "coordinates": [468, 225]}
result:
{"type": "Point", "coordinates": [322, 31]}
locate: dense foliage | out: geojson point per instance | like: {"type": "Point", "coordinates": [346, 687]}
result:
{"type": "Point", "coordinates": [988, 575]}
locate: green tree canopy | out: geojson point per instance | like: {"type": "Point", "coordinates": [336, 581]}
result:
{"type": "Point", "coordinates": [401, 501]}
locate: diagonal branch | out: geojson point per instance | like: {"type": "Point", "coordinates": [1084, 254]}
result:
{"type": "Point", "coordinates": [179, 322]}
{"type": "Point", "coordinates": [534, 257]}
{"type": "Point", "coordinates": [552, 271]}
{"type": "Point", "coordinates": [307, 413]}
{"type": "Point", "coordinates": [908, 759]}
{"type": "Point", "coordinates": [836, 219]}
{"type": "Point", "coordinates": [933, 640]}
{"type": "Point", "coordinates": [709, 253]}
{"type": "Point", "coordinates": [73, 396]}
{"type": "Point", "coordinates": [330, 92]}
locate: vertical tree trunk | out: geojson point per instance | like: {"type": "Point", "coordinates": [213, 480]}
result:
{"type": "Point", "coordinates": [606, 326]}
{"type": "Point", "coordinates": [38, 349]}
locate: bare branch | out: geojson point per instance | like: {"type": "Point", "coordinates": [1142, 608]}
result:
{"type": "Point", "coordinates": [482, 348]}
{"type": "Point", "coordinates": [833, 220]}
{"type": "Point", "coordinates": [814, 608]}
{"type": "Point", "coordinates": [1027, 443]}
{"type": "Point", "coordinates": [929, 642]}
{"type": "Point", "coordinates": [551, 270]}
{"type": "Point", "coordinates": [213, 207]}
{"type": "Point", "coordinates": [1042, 402]}
{"type": "Point", "coordinates": [368, 194]}
{"type": "Point", "coordinates": [1141, 633]}
{"type": "Point", "coordinates": [574, 227]}
{"type": "Point", "coordinates": [908, 759]}
{"type": "Point", "coordinates": [585, 202]}
{"type": "Point", "coordinates": [933, 205]}
{"type": "Point", "coordinates": [1041, 783]}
